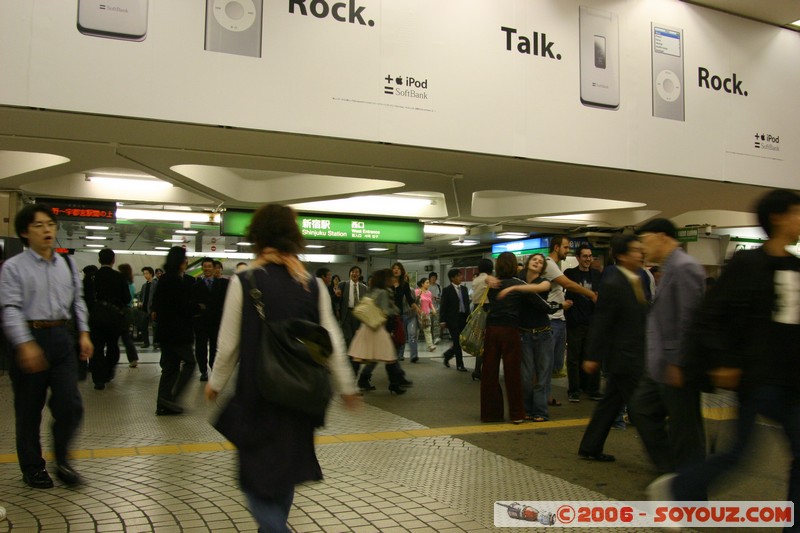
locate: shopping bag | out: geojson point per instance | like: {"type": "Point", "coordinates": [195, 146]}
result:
{"type": "Point", "coordinates": [472, 335]}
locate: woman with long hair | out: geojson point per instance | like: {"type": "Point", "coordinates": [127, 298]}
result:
{"type": "Point", "coordinates": [427, 311]}
{"type": "Point", "coordinates": [372, 346]}
{"type": "Point", "coordinates": [275, 443]}
{"type": "Point", "coordinates": [336, 296]}
{"type": "Point", "coordinates": [130, 318]}
{"type": "Point", "coordinates": [409, 311]}
{"type": "Point", "coordinates": [537, 344]}
{"type": "Point", "coordinates": [502, 342]}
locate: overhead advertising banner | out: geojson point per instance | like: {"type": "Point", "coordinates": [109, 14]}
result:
{"type": "Point", "coordinates": [327, 228]}
{"type": "Point", "coordinates": [655, 86]}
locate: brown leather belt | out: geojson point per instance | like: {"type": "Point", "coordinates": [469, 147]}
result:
{"type": "Point", "coordinates": [537, 330]}
{"type": "Point", "coordinates": [44, 324]}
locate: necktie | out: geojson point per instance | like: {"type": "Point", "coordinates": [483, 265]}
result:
{"type": "Point", "coordinates": [460, 300]}
{"type": "Point", "coordinates": [209, 281]}
{"type": "Point", "coordinates": [355, 301]}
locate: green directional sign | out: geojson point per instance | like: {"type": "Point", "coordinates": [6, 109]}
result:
{"type": "Point", "coordinates": [687, 235]}
{"type": "Point", "coordinates": [328, 228]}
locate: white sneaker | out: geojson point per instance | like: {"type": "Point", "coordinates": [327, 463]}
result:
{"type": "Point", "coordinates": [2, 513]}
{"type": "Point", "coordinates": [660, 490]}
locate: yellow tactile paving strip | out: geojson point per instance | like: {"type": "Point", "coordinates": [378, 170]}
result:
{"type": "Point", "coordinates": [710, 413]}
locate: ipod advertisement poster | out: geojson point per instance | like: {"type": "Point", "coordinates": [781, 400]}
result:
{"type": "Point", "coordinates": [655, 86]}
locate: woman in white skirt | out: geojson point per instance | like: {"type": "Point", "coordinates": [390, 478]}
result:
{"type": "Point", "coordinates": [372, 346]}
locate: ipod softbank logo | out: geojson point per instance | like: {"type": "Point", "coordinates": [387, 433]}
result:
{"type": "Point", "coordinates": [116, 9]}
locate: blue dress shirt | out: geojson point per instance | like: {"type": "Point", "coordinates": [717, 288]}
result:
{"type": "Point", "coordinates": [33, 288]}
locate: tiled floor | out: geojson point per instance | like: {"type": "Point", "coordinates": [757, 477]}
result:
{"type": "Point", "coordinates": [383, 472]}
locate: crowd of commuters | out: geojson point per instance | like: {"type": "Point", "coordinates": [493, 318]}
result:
{"type": "Point", "coordinates": [658, 337]}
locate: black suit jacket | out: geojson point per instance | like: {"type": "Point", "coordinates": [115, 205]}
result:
{"type": "Point", "coordinates": [209, 302]}
{"type": "Point", "coordinates": [618, 328]}
{"type": "Point", "coordinates": [448, 310]}
{"type": "Point", "coordinates": [110, 286]}
{"type": "Point", "coordinates": [172, 303]}
{"type": "Point", "coordinates": [345, 288]}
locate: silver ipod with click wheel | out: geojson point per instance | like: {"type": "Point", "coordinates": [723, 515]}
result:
{"type": "Point", "coordinates": [234, 27]}
{"type": "Point", "coordinates": [668, 89]}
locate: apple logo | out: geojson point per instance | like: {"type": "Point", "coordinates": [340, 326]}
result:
{"type": "Point", "coordinates": [399, 80]}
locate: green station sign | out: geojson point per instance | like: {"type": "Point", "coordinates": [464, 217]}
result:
{"type": "Point", "coordinates": [687, 235]}
{"type": "Point", "coordinates": [328, 228]}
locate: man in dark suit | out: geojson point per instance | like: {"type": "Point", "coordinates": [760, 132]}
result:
{"type": "Point", "coordinates": [454, 311]}
{"type": "Point", "coordinates": [616, 341]}
{"type": "Point", "coordinates": [106, 318]}
{"type": "Point", "coordinates": [352, 291]}
{"type": "Point", "coordinates": [208, 295]}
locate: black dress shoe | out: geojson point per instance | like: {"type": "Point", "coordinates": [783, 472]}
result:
{"type": "Point", "coordinates": [476, 375]}
{"type": "Point", "coordinates": [166, 407]}
{"type": "Point", "coordinates": [38, 480]}
{"type": "Point", "coordinates": [396, 389]}
{"type": "Point", "coordinates": [601, 457]}
{"type": "Point", "coordinates": [446, 361]}
{"type": "Point", "coordinates": [461, 369]}
{"type": "Point", "coordinates": [415, 359]}
{"type": "Point", "coordinates": [68, 475]}
{"type": "Point", "coordinates": [366, 386]}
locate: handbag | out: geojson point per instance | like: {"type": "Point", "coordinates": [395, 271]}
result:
{"type": "Point", "coordinates": [398, 331]}
{"type": "Point", "coordinates": [292, 370]}
{"type": "Point", "coordinates": [367, 312]}
{"type": "Point", "coordinates": [474, 331]}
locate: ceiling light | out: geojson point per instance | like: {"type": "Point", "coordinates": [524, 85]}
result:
{"type": "Point", "coordinates": [393, 205]}
{"type": "Point", "coordinates": [795, 23]}
{"type": "Point", "coordinates": [130, 183]}
{"type": "Point", "coordinates": [95, 245]}
{"type": "Point", "coordinates": [227, 250]}
{"type": "Point", "coordinates": [173, 240]}
{"type": "Point", "coordinates": [167, 216]}
{"type": "Point", "coordinates": [95, 238]}
{"type": "Point", "coordinates": [187, 231]}
{"type": "Point", "coordinates": [465, 242]}
{"type": "Point", "coordinates": [441, 229]}
{"type": "Point", "coordinates": [162, 248]}
{"type": "Point", "coordinates": [314, 246]}
{"type": "Point", "coordinates": [512, 235]}
{"type": "Point", "coordinates": [378, 249]}
{"type": "Point", "coordinates": [96, 228]}
{"type": "Point", "coordinates": [244, 244]}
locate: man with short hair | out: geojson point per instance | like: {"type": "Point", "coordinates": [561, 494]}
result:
{"type": "Point", "coordinates": [665, 407]}
{"type": "Point", "coordinates": [748, 333]}
{"type": "Point", "coordinates": [454, 311]}
{"type": "Point", "coordinates": [616, 341]}
{"type": "Point", "coordinates": [218, 268]}
{"type": "Point", "coordinates": [107, 318]}
{"type": "Point", "coordinates": [352, 291]}
{"type": "Point", "coordinates": [579, 315]}
{"type": "Point", "coordinates": [41, 291]}
{"type": "Point", "coordinates": [559, 247]}
{"type": "Point", "coordinates": [208, 296]}
{"type": "Point", "coordinates": [146, 304]}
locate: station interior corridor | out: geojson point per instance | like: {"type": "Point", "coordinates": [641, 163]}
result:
{"type": "Point", "coordinates": [417, 462]}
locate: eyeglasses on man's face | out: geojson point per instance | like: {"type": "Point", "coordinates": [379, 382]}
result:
{"type": "Point", "coordinates": [42, 225]}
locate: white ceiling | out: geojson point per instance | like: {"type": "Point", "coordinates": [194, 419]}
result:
{"type": "Point", "coordinates": [220, 167]}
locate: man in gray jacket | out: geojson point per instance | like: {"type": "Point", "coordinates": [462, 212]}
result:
{"type": "Point", "coordinates": [665, 408]}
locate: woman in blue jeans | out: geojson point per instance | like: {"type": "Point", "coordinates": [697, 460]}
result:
{"type": "Point", "coordinates": [536, 342]}
{"type": "Point", "coordinates": [407, 304]}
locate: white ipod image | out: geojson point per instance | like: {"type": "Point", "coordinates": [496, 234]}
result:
{"type": "Point", "coordinates": [599, 58]}
{"type": "Point", "coordinates": [234, 26]}
{"type": "Point", "coordinates": [113, 19]}
{"type": "Point", "coordinates": [668, 91]}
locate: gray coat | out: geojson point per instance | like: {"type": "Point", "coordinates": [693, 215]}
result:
{"type": "Point", "coordinates": [679, 292]}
